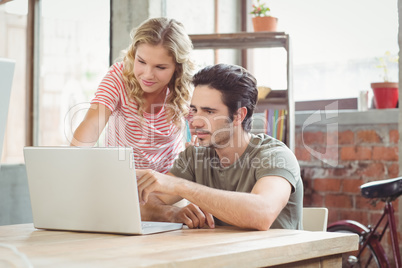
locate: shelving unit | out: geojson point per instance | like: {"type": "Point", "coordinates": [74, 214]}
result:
{"type": "Point", "coordinates": [277, 99]}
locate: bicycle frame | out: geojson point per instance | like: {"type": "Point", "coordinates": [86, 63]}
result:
{"type": "Point", "coordinates": [389, 210]}
{"type": "Point", "coordinates": [367, 235]}
{"type": "Point", "coordinates": [371, 237]}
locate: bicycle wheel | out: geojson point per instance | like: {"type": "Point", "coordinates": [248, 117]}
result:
{"type": "Point", "coordinates": [368, 257]}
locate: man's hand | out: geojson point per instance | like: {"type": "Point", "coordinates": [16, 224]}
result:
{"type": "Point", "coordinates": [194, 217]}
{"type": "Point", "coordinates": [193, 142]}
{"type": "Point", "coordinates": [149, 181]}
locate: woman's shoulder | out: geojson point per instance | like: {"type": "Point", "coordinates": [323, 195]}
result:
{"type": "Point", "coordinates": [115, 75]}
{"type": "Point", "coordinates": [117, 68]}
{"type": "Point", "coordinates": [112, 84]}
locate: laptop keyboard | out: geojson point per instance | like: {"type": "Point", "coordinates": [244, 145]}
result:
{"type": "Point", "coordinates": [145, 224]}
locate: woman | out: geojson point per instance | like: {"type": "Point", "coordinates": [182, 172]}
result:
{"type": "Point", "coordinates": [145, 97]}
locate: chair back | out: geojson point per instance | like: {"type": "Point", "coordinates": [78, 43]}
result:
{"type": "Point", "coordinates": [315, 219]}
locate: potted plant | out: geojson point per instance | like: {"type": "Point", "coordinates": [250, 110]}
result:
{"type": "Point", "coordinates": [386, 93]}
{"type": "Point", "coordinates": [262, 21]}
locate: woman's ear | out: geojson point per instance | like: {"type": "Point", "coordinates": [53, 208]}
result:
{"type": "Point", "coordinates": [239, 116]}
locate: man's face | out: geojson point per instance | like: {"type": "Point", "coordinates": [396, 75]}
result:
{"type": "Point", "coordinates": [210, 118]}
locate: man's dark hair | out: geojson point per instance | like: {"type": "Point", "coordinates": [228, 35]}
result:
{"type": "Point", "coordinates": [237, 86]}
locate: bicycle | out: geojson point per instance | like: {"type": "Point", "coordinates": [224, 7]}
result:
{"type": "Point", "coordinates": [370, 252]}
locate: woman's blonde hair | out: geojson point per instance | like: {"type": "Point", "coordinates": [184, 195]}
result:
{"type": "Point", "coordinates": [171, 35]}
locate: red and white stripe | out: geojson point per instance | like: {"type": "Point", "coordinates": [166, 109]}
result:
{"type": "Point", "coordinates": [155, 141]}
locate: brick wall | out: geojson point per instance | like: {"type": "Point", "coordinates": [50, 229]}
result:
{"type": "Point", "coordinates": [334, 163]}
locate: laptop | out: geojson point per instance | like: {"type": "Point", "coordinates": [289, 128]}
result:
{"type": "Point", "coordinates": [87, 189]}
{"type": "Point", "coordinates": [6, 78]}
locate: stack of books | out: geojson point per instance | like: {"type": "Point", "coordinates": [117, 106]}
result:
{"type": "Point", "coordinates": [276, 124]}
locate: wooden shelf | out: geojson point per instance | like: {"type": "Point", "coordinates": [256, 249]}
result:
{"type": "Point", "coordinates": [276, 99]}
{"type": "Point", "coordinates": [239, 40]}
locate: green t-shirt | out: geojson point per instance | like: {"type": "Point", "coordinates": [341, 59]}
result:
{"type": "Point", "coordinates": [264, 156]}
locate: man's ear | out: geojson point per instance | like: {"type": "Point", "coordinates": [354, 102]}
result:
{"type": "Point", "coordinates": [239, 116]}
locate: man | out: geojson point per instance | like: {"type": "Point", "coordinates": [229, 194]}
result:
{"type": "Point", "coordinates": [250, 181]}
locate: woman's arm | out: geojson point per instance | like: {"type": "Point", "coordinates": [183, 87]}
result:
{"type": "Point", "coordinates": [88, 132]}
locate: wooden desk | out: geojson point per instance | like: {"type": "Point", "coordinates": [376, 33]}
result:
{"type": "Point", "coordinates": [221, 247]}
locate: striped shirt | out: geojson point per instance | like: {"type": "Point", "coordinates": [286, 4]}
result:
{"type": "Point", "coordinates": [155, 141]}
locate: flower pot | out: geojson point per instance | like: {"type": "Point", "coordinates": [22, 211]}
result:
{"type": "Point", "coordinates": [265, 24]}
{"type": "Point", "coordinates": [385, 95]}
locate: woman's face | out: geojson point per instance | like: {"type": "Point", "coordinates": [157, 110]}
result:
{"type": "Point", "coordinates": [153, 68]}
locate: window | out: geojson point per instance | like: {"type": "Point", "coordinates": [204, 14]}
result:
{"type": "Point", "coordinates": [13, 21]}
{"type": "Point", "coordinates": [73, 58]}
{"type": "Point", "coordinates": [335, 44]}
{"type": "Point", "coordinates": [201, 22]}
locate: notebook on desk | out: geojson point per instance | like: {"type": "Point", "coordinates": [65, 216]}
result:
{"type": "Point", "coordinates": [86, 189]}
{"type": "Point", "coordinates": [6, 80]}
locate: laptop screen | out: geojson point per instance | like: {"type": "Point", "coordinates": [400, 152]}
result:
{"type": "Point", "coordinates": [6, 79]}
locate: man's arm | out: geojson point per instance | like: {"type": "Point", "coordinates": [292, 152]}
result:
{"type": "Point", "coordinates": [255, 210]}
{"type": "Point", "coordinates": [159, 208]}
